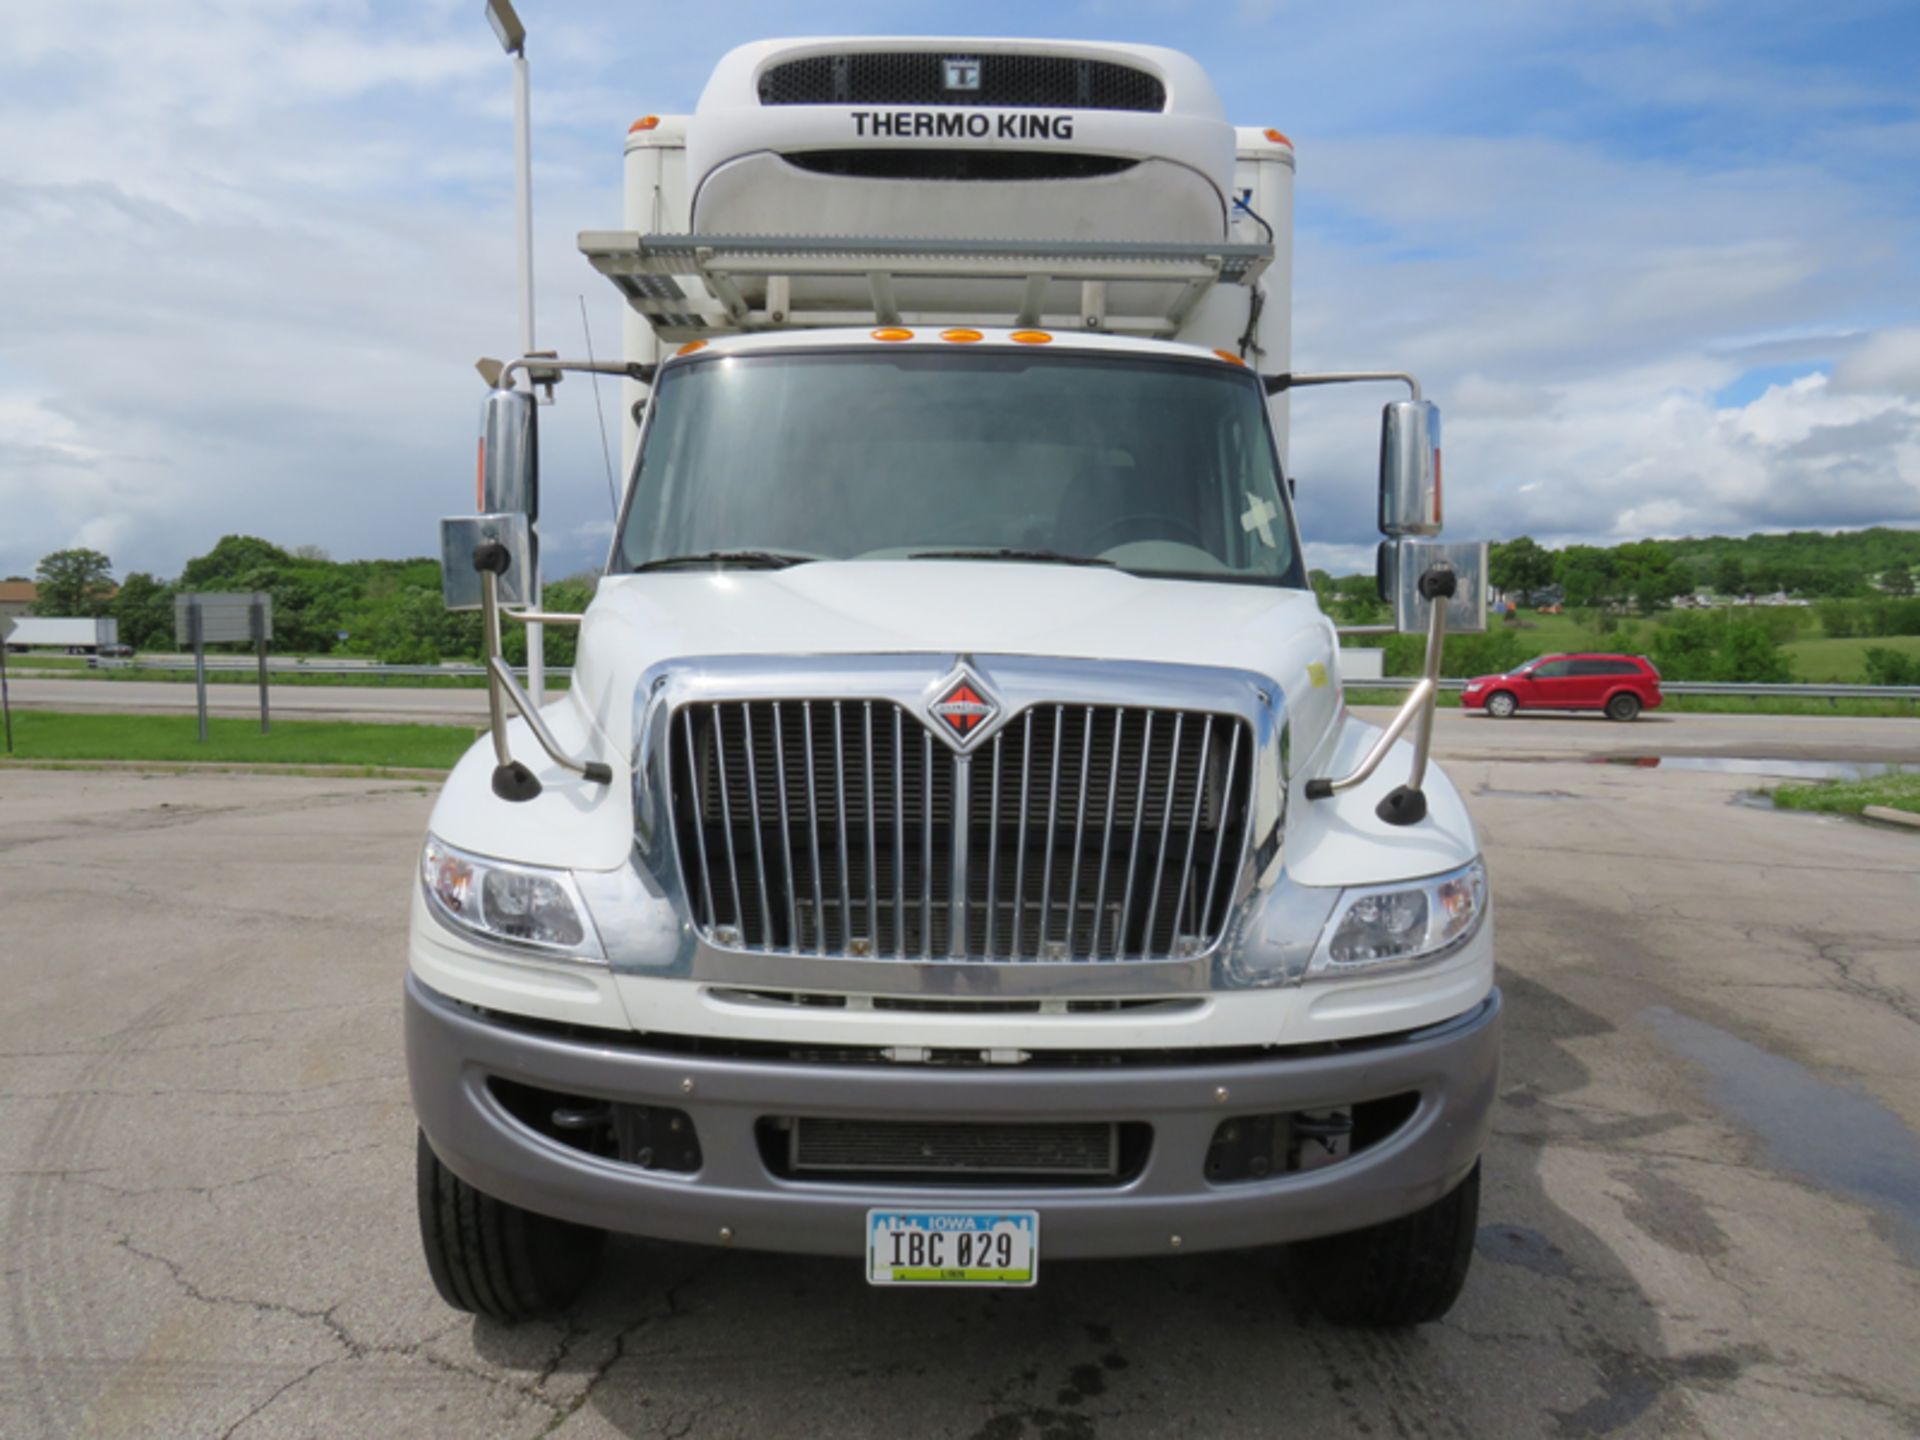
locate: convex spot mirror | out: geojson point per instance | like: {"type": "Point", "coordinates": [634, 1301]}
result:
{"type": "Point", "coordinates": [1401, 564]}
{"type": "Point", "coordinates": [1410, 468]}
{"type": "Point", "coordinates": [460, 582]}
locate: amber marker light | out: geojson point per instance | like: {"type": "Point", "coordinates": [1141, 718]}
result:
{"type": "Point", "coordinates": [652, 122]}
{"type": "Point", "coordinates": [962, 337]}
{"type": "Point", "coordinates": [1230, 357]}
{"type": "Point", "coordinates": [690, 347]}
{"type": "Point", "coordinates": [1276, 137]}
{"type": "Point", "coordinates": [892, 332]}
{"type": "Point", "coordinates": [1030, 337]}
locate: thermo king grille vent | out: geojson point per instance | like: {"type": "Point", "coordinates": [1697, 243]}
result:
{"type": "Point", "coordinates": [919, 77]}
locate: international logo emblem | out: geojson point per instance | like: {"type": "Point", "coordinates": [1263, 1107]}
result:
{"type": "Point", "coordinates": [963, 707]}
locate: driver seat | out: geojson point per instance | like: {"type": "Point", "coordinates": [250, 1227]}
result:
{"type": "Point", "coordinates": [1102, 492]}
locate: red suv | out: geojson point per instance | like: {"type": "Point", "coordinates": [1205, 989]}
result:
{"type": "Point", "coordinates": [1621, 685]}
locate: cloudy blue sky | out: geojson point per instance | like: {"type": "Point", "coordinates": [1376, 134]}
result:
{"type": "Point", "coordinates": [1659, 259]}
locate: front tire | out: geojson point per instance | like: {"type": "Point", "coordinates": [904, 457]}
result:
{"type": "Point", "coordinates": [494, 1259]}
{"type": "Point", "coordinates": [1404, 1272]}
{"type": "Point", "coordinates": [1501, 705]}
{"type": "Point", "coordinates": [1623, 707]}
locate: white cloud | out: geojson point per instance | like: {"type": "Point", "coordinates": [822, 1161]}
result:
{"type": "Point", "coordinates": [250, 247]}
{"type": "Point", "coordinates": [1889, 360]}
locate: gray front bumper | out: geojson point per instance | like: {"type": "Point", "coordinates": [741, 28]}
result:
{"type": "Point", "coordinates": [452, 1050]}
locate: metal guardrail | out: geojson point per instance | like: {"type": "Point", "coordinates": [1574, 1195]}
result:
{"type": "Point", "coordinates": [1698, 687]}
{"type": "Point", "coordinates": [305, 667]}
{"type": "Point", "coordinates": [1387, 682]}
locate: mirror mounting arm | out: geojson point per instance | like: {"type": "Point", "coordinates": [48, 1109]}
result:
{"type": "Point", "coordinates": [511, 779]}
{"type": "Point", "coordinates": [1276, 384]}
{"type": "Point", "coordinates": [547, 369]}
{"type": "Point", "coordinates": [1407, 804]}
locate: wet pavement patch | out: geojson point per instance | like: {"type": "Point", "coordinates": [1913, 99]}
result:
{"type": "Point", "coordinates": [1631, 1383]}
{"type": "Point", "coordinates": [1834, 1135]}
{"type": "Point", "coordinates": [1667, 1211]}
{"type": "Point", "coordinates": [1743, 765]}
{"type": "Point", "coordinates": [1527, 1248]}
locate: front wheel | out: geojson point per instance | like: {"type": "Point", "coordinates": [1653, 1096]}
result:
{"type": "Point", "coordinates": [1500, 705]}
{"type": "Point", "coordinates": [1405, 1272]}
{"type": "Point", "coordinates": [1623, 707]}
{"type": "Point", "coordinates": [494, 1259]}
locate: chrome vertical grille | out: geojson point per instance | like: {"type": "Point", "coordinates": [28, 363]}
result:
{"type": "Point", "coordinates": [847, 828]}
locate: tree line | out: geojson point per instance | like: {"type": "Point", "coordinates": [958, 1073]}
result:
{"type": "Point", "coordinates": [1646, 576]}
{"type": "Point", "coordinates": [1649, 575]}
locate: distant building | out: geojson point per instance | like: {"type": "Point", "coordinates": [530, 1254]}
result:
{"type": "Point", "coordinates": [17, 597]}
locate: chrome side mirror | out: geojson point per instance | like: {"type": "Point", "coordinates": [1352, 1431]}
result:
{"type": "Point", "coordinates": [509, 471]}
{"type": "Point", "coordinates": [1410, 468]}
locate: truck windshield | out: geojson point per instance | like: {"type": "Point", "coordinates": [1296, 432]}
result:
{"type": "Point", "coordinates": [1156, 467]}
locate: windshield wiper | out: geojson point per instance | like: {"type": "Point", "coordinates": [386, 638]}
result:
{"type": "Point", "coordinates": [1047, 557]}
{"type": "Point", "coordinates": [746, 559]}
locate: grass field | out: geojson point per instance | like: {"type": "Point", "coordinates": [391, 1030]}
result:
{"type": "Point", "coordinates": [36, 661]}
{"type": "Point", "coordinates": [1824, 659]}
{"type": "Point", "coordinates": [1850, 797]}
{"type": "Point", "coordinates": [50, 735]}
{"type": "Point", "coordinates": [1548, 634]}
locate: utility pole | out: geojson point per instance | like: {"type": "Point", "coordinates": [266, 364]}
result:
{"type": "Point", "coordinates": [513, 39]}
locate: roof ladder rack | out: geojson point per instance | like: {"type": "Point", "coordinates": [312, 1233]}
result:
{"type": "Point", "coordinates": [695, 287]}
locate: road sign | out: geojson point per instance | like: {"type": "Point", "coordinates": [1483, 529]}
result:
{"type": "Point", "coordinates": [214, 616]}
{"type": "Point", "coordinates": [224, 615]}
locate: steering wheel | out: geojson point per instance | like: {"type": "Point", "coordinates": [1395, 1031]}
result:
{"type": "Point", "coordinates": [1098, 540]}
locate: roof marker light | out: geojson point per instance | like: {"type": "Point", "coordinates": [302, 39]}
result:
{"type": "Point", "coordinates": [962, 337]}
{"type": "Point", "coordinates": [892, 332]}
{"type": "Point", "coordinates": [652, 122]}
{"type": "Point", "coordinates": [690, 347]}
{"type": "Point", "coordinates": [1230, 357]}
{"type": "Point", "coordinates": [1030, 337]}
{"type": "Point", "coordinates": [1276, 137]}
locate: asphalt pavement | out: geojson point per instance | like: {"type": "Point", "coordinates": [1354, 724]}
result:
{"type": "Point", "coordinates": [1701, 1214]}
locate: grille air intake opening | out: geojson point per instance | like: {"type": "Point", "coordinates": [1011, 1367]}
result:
{"type": "Point", "coordinates": [945, 1152]}
{"type": "Point", "coordinates": [846, 828]}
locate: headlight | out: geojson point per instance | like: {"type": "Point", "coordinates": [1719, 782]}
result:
{"type": "Point", "coordinates": [1390, 925]}
{"type": "Point", "coordinates": [516, 904]}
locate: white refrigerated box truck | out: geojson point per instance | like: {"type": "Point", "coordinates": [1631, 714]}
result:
{"type": "Point", "coordinates": [954, 851]}
{"type": "Point", "coordinates": [76, 635]}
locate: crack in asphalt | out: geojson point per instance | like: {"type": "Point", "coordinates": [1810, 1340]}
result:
{"type": "Point", "coordinates": [207, 1192]}
{"type": "Point", "coordinates": [351, 1346]}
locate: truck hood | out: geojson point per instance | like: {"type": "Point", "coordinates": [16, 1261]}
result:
{"type": "Point", "coordinates": [942, 609]}
{"type": "Point", "coordinates": [946, 608]}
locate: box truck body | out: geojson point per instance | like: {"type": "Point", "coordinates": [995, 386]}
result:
{"type": "Point", "coordinates": [954, 850]}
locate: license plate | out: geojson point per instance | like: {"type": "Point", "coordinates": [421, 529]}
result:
{"type": "Point", "coordinates": [953, 1247]}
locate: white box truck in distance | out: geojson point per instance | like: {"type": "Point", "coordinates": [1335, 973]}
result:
{"type": "Point", "coordinates": [75, 635]}
{"type": "Point", "coordinates": [954, 851]}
